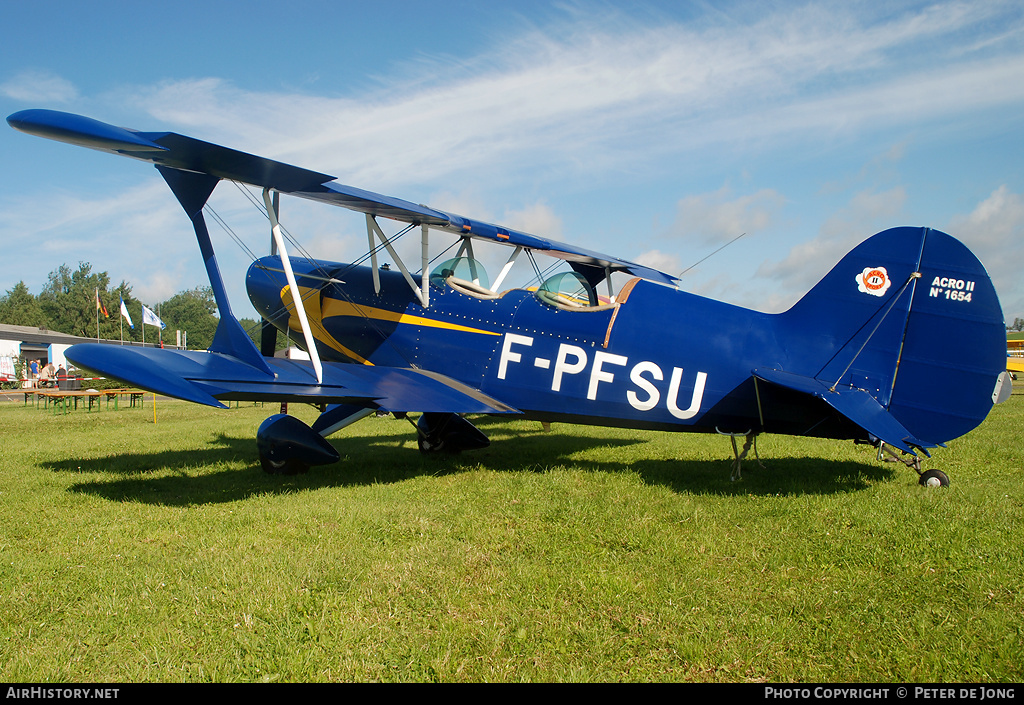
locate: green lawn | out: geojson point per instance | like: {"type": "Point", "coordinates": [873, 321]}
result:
{"type": "Point", "coordinates": [140, 551]}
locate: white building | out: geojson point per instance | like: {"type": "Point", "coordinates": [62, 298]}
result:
{"type": "Point", "coordinates": [38, 344]}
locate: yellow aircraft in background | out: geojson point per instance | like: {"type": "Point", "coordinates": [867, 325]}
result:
{"type": "Point", "coordinates": [1015, 357]}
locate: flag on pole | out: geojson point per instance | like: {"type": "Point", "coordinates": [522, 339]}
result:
{"type": "Point", "coordinates": [150, 319]}
{"type": "Point", "coordinates": [124, 312]}
{"type": "Point", "coordinates": [99, 306]}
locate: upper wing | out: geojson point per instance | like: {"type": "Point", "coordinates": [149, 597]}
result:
{"type": "Point", "coordinates": [188, 154]}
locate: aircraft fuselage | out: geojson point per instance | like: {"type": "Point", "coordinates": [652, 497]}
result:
{"type": "Point", "coordinates": [658, 358]}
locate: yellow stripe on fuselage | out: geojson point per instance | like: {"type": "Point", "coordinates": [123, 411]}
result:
{"type": "Point", "coordinates": [316, 321]}
{"type": "Point", "coordinates": [334, 307]}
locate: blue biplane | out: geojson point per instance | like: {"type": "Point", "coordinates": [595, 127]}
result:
{"type": "Point", "coordinates": [901, 345]}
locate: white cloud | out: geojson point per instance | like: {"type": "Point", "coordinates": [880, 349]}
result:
{"type": "Point", "coordinates": [559, 101]}
{"type": "Point", "coordinates": [994, 230]}
{"type": "Point", "coordinates": [139, 235]}
{"type": "Point", "coordinates": [716, 217]}
{"type": "Point", "coordinates": [537, 219]}
{"type": "Point", "coordinates": [37, 86]}
{"type": "Point", "coordinates": [663, 261]}
{"type": "Point", "coordinates": [866, 213]}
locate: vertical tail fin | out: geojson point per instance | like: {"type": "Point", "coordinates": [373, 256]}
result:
{"type": "Point", "coordinates": [911, 317]}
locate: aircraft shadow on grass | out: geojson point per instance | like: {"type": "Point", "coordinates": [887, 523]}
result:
{"type": "Point", "coordinates": [182, 478]}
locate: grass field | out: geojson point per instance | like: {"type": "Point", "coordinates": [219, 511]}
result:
{"type": "Point", "coordinates": [134, 551]}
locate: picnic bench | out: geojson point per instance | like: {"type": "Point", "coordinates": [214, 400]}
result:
{"type": "Point", "coordinates": [135, 396]}
{"type": "Point", "coordinates": [65, 400]}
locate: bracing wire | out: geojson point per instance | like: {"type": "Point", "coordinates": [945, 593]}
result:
{"type": "Point", "coordinates": [711, 255]}
{"type": "Point", "coordinates": [304, 254]}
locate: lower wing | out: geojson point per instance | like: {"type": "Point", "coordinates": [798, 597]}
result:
{"type": "Point", "coordinates": [212, 378]}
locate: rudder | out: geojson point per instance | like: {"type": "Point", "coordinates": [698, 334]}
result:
{"type": "Point", "coordinates": [954, 349]}
{"type": "Point", "coordinates": [911, 317]}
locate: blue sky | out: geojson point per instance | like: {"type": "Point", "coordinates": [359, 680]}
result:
{"type": "Point", "coordinates": [653, 131]}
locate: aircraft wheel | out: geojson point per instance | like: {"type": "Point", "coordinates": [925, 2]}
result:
{"type": "Point", "coordinates": [426, 446]}
{"type": "Point", "coordinates": [283, 467]}
{"type": "Point", "coordinates": [934, 478]}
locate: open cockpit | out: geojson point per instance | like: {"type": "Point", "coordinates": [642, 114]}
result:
{"type": "Point", "coordinates": [564, 290]}
{"type": "Point", "coordinates": [463, 274]}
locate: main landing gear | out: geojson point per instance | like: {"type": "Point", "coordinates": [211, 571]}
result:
{"type": "Point", "coordinates": [450, 433]}
{"type": "Point", "coordinates": [927, 478]}
{"type": "Point", "coordinates": [289, 447]}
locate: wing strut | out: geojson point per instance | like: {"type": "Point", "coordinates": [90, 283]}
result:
{"type": "Point", "coordinates": [423, 290]}
{"type": "Point", "coordinates": [505, 270]}
{"type": "Point", "coordinates": [268, 333]}
{"type": "Point", "coordinates": [307, 333]}
{"type": "Point", "coordinates": [192, 189]}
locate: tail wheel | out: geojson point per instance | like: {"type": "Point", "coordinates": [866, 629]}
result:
{"type": "Point", "coordinates": [934, 478]}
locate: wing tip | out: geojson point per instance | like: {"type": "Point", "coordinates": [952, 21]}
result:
{"type": "Point", "coordinates": [80, 130]}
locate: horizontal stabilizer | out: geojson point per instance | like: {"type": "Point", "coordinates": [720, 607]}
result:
{"type": "Point", "coordinates": [855, 404]}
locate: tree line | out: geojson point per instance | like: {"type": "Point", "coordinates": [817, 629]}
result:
{"type": "Point", "coordinates": [67, 304]}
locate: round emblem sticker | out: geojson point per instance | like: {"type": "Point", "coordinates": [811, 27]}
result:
{"type": "Point", "coordinates": [874, 281]}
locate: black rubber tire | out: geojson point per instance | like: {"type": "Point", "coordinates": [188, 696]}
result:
{"type": "Point", "coordinates": [934, 478]}
{"type": "Point", "coordinates": [283, 467]}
